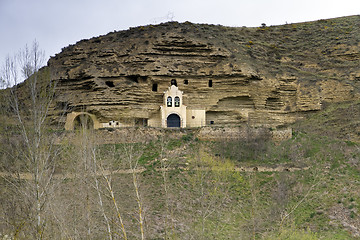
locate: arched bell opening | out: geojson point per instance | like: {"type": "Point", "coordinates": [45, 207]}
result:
{"type": "Point", "coordinates": [177, 101]}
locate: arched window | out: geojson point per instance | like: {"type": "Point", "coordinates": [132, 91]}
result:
{"type": "Point", "coordinates": [177, 101]}
{"type": "Point", "coordinates": [169, 102]}
{"type": "Point", "coordinates": [173, 82]}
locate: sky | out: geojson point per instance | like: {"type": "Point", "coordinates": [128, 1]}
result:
{"type": "Point", "coordinates": [58, 23]}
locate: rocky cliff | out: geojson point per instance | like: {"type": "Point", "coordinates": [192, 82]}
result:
{"type": "Point", "coordinates": [266, 76]}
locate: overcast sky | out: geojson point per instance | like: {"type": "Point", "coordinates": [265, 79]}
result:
{"type": "Point", "coordinates": [58, 23]}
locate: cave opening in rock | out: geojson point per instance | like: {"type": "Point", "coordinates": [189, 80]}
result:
{"type": "Point", "coordinates": [143, 78]}
{"type": "Point", "coordinates": [186, 82]}
{"type": "Point", "coordinates": [110, 83]}
{"type": "Point", "coordinates": [83, 121]}
{"type": "Point", "coordinates": [155, 87]}
{"type": "Point", "coordinates": [210, 83]}
{"type": "Point", "coordinates": [133, 78]}
{"type": "Point", "coordinates": [173, 82]}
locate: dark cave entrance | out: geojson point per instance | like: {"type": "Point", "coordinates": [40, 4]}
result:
{"type": "Point", "coordinates": [82, 122]}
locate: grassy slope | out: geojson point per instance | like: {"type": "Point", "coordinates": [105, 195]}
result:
{"type": "Point", "coordinates": [209, 200]}
{"type": "Point", "coordinates": [340, 120]}
{"type": "Point", "coordinates": [323, 200]}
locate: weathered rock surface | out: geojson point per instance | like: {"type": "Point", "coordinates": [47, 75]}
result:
{"type": "Point", "coordinates": [266, 76]}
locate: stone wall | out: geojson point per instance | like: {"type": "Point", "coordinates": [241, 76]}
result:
{"type": "Point", "coordinates": [140, 134]}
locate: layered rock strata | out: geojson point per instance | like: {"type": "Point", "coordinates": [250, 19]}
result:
{"type": "Point", "coordinates": [267, 76]}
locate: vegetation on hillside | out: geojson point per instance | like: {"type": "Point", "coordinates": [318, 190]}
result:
{"type": "Point", "coordinates": [190, 189]}
{"type": "Point", "coordinates": [324, 49]}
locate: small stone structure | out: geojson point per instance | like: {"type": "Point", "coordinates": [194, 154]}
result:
{"type": "Point", "coordinates": [84, 119]}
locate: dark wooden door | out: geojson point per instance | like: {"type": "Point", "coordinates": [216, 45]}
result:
{"type": "Point", "coordinates": [173, 120]}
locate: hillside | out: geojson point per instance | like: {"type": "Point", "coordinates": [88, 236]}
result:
{"type": "Point", "coordinates": [265, 76]}
{"type": "Point", "coordinates": [305, 187]}
{"type": "Point", "coordinates": [170, 183]}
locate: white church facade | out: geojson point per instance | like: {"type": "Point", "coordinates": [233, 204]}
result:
{"type": "Point", "coordinates": [173, 113]}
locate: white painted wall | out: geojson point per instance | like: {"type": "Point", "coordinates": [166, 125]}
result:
{"type": "Point", "coordinates": [195, 118]}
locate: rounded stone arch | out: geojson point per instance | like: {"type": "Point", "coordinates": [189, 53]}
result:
{"type": "Point", "coordinates": [78, 120]}
{"type": "Point", "coordinates": [83, 121]}
{"type": "Point", "coordinates": [173, 120]}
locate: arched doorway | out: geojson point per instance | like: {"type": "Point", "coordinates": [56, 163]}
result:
{"type": "Point", "coordinates": [83, 121]}
{"type": "Point", "coordinates": [173, 120]}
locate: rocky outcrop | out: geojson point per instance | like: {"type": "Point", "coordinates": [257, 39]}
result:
{"type": "Point", "coordinates": [266, 76]}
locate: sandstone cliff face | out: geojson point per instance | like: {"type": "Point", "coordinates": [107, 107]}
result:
{"type": "Point", "coordinates": [266, 76]}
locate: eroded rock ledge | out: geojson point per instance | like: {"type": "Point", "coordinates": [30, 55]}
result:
{"type": "Point", "coordinates": [266, 76]}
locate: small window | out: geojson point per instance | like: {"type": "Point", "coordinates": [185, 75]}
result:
{"type": "Point", "coordinates": [186, 82]}
{"type": "Point", "coordinates": [117, 123]}
{"type": "Point", "coordinates": [210, 83]}
{"type": "Point", "coordinates": [211, 122]}
{"type": "Point", "coordinates": [193, 117]}
{"type": "Point", "coordinates": [109, 123]}
{"type": "Point", "coordinates": [173, 82]}
{"type": "Point", "coordinates": [169, 102]}
{"type": "Point", "coordinates": [177, 101]}
{"type": "Point", "coordinates": [154, 87]}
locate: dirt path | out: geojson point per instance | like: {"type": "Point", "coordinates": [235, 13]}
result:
{"type": "Point", "coordinates": [29, 176]}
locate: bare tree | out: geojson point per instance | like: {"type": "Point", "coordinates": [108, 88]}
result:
{"type": "Point", "coordinates": [98, 169]}
{"type": "Point", "coordinates": [109, 186]}
{"type": "Point", "coordinates": [132, 154]}
{"type": "Point", "coordinates": [99, 192]}
{"type": "Point", "coordinates": [29, 104]}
